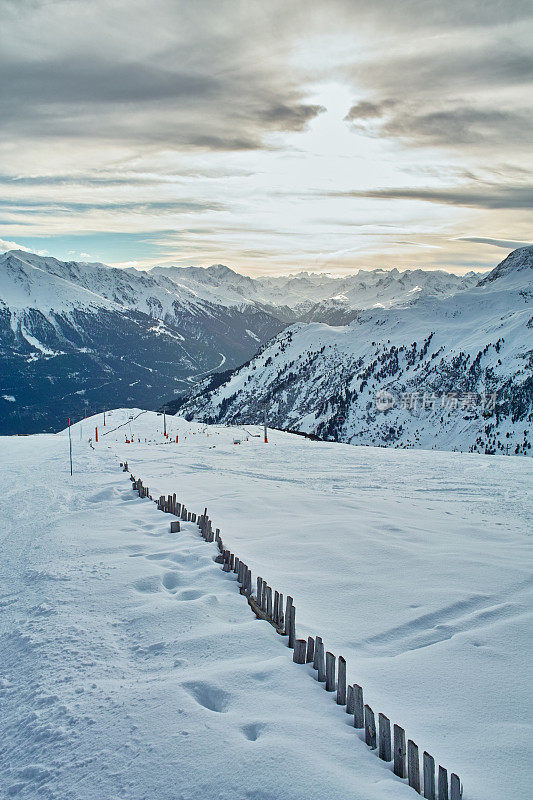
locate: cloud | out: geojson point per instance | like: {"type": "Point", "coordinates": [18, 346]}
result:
{"type": "Point", "coordinates": [507, 244]}
{"type": "Point", "coordinates": [206, 120]}
{"type": "Point", "coordinates": [474, 196]}
{"type": "Point", "coordinates": [215, 77]}
{"type": "Point", "coordinates": [364, 109]}
{"type": "Point", "coordinates": [160, 206]}
{"type": "Point", "coordinates": [6, 245]}
{"type": "Point", "coordinates": [460, 94]}
{"type": "Point", "coordinates": [460, 125]}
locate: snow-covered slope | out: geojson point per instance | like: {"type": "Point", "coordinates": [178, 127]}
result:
{"type": "Point", "coordinates": [77, 336]}
{"type": "Point", "coordinates": [132, 668]}
{"type": "Point", "coordinates": [453, 373]}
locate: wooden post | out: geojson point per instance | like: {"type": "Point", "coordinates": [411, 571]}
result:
{"type": "Point", "coordinates": [269, 602]}
{"type": "Point", "coordinates": [330, 672]}
{"type": "Point", "coordinates": [370, 728]}
{"type": "Point", "coordinates": [341, 682]}
{"type": "Point", "coordinates": [288, 607]}
{"type": "Point", "coordinates": [236, 564]}
{"type": "Point", "coordinates": [456, 790]}
{"type": "Point", "coordinates": [429, 776]}
{"type": "Point", "coordinates": [385, 749]}
{"type": "Point", "coordinates": [399, 752]}
{"type": "Point", "coordinates": [275, 608]}
{"type": "Point", "coordinates": [292, 626]}
{"type": "Point", "coordinates": [259, 594]}
{"type": "Point", "coordinates": [321, 663]}
{"type": "Point", "coordinates": [413, 766]}
{"type": "Point", "coordinates": [299, 651]}
{"type": "Point", "coordinates": [264, 597]}
{"type": "Point", "coordinates": [318, 642]}
{"type": "Point", "coordinates": [281, 618]}
{"type": "Point", "coordinates": [231, 562]}
{"type": "Point", "coordinates": [358, 711]}
{"type": "Point", "coordinates": [349, 700]}
{"type": "Point", "coordinates": [443, 783]}
{"type": "Point", "coordinates": [310, 652]}
{"type": "Point", "coordinates": [175, 526]}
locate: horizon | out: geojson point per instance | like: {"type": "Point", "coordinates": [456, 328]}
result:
{"type": "Point", "coordinates": [326, 137]}
{"type": "Point", "coordinates": [280, 274]}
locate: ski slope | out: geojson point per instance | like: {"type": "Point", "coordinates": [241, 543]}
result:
{"type": "Point", "coordinates": [134, 669]}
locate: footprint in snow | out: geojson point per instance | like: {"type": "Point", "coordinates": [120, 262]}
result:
{"type": "Point", "coordinates": [208, 696]}
{"type": "Point", "coordinates": [148, 585]}
{"type": "Point", "coordinates": [253, 730]}
{"type": "Point", "coordinates": [171, 581]}
{"type": "Point", "coordinates": [190, 594]}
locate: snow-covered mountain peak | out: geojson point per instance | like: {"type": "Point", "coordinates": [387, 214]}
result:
{"type": "Point", "coordinates": [437, 358]}
{"type": "Point", "coordinates": [515, 265]}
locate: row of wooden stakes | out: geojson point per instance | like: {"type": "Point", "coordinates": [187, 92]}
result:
{"type": "Point", "coordinates": [268, 605]}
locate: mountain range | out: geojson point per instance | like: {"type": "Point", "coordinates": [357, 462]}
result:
{"type": "Point", "coordinates": [78, 337]}
{"type": "Point", "coordinates": [450, 371]}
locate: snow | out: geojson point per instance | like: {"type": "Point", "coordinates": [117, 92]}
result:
{"type": "Point", "coordinates": [476, 340]}
{"type": "Point", "coordinates": [133, 668]}
{"type": "Point", "coordinates": [45, 283]}
{"type": "Point", "coordinates": [36, 343]}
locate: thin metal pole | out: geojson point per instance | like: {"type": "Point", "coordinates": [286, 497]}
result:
{"type": "Point", "coordinates": [265, 423]}
{"type": "Point", "coordinates": [164, 423]}
{"type": "Point", "coordinates": [70, 445]}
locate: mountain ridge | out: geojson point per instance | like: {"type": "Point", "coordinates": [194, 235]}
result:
{"type": "Point", "coordinates": [77, 337]}
{"type": "Point", "coordinates": [457, 351]}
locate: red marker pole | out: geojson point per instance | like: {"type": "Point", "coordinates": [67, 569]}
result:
{"type": "Point", "coordinates": [96, 434]}
{"type": "Point", "coordinates": [70, 445]}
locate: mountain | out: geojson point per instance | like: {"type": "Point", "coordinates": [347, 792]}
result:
{"type": "Point", "coordinates": [439, 373]}
{"type": "Point", "coordinates": [76, 337]}
{"type": "Point", "coordinates": [315, 296]}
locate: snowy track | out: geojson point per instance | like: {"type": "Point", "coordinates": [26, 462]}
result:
{"type": "Point", "coordinates": [132, 667]}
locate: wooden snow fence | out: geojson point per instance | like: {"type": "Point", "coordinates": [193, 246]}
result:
{"type": "Point", "coordinates": [268, 604]}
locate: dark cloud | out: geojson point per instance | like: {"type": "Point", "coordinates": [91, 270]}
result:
{"type": "Point", "coordinates": [507, 244]}
{"type": "Point", "coordinates": [462, 93]}
{"type": "Point", "coordinates": [366, 110]}
{"type": "Point", "coordinates": [460, 125]}
{"type": "Point", "coordinates": [488, 197]}
{"type": "Point", "coordinates": [165, 72]}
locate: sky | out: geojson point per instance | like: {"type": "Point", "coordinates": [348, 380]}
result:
{"type": "Point", "coordinates": [268, 136]}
